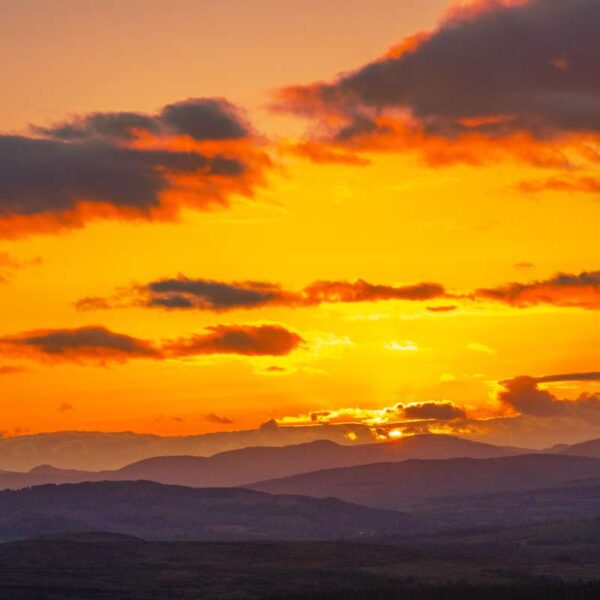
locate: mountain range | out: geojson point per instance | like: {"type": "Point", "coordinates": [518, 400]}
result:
{"type": "Point", "coordinates": [248, 465]}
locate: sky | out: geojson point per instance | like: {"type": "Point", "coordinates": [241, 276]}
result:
{"type": "Point", "coordinates": [214, 214]}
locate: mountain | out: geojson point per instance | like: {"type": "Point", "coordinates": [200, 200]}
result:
{"type": "Point", "coordinates": [397, 485]}
{"type": "Point", "coordinates": [245, 466]}
{"type": "Point", "coordinates": [95, 451]}
{"type": "Point", "coordinates": [155, 511]}
{"type": "Point", "coordinates": [588, 448]}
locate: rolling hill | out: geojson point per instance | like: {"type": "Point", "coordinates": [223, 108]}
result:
{"type": "Point", "coordinates": [248, 465]}
{"type": "Point", "coordinates": [397, 485]}
{"type": "Point", "coordinates": [155, 511]}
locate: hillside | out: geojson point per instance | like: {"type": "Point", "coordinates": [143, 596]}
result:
{"type": "Point", "coordinates": [154, 511]}
{"type": "Point", "coordinates": [397, 485]}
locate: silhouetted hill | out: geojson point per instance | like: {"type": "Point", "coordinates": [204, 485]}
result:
{"type": "Point", "coordinates": [396, 485]}
{"type": "Point", "coordinates": [241, 467]}
{"type": "Point", "coordinates": [154, 511]}
{"type": "Point", "coordinates": [94, 451]}
{"type": "Point", "coordinates": [588, 448]}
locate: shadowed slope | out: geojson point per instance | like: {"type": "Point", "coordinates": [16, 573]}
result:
{"type": "Point", "coordinates": [394, 485]}
{"type": "Point", "coordinates": [154, 511]}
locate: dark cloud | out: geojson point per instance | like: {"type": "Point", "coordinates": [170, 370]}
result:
{"type": "Point", "coordinates": [98, 345]}
{"type": "Point", "coordinates": [204, 294]}
{"type": "Point", "coordinates": [39, 176]}
{"type": "Point", "coordinates": [65, 407]}
{"type": "Point", "coordinates": [524, 396]}
{"type": "Point", "coordinates": [97, 167]}
{"type": "Point", "coordinates": [260, 340]}
{"type": "Point", "coordinates": [589, 376]}
{"type": "Point", "coordinates": [205, 119]}
{"type": "Point", "coordinates": [201, 119]}
{"type": "Point", "coordinates": [87, 344]}
{"type": "Point", "coordinates": [212, 295]}
{"type": "Point", "coordinates": [216, 419]}
{"type": "Point", "coordinates": [440, 411]}
{"type": "Point", "coordinates": [362, 291]}
{"type": "Point", "coordinates": [563, 289]}
{"type": "Point", "coordinates": [494, 71]}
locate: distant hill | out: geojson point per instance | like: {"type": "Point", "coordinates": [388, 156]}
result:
{"type": "Point", "coordinates": [154, 511]}
{"type": "Point", "coordinates": [248, 465]}
{"type": "Point", "coordinates": [588, 448]}
{"type": "Point", "coordinates": [95, 451]}
{"type": "Point", "coordinates": [397, 485]}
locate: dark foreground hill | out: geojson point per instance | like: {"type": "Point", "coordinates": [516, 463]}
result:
{"type": "Point", "coordinates": [94, 567]}
{"type": "Point", "coordinates": [398, 485]}
{"type": "Point", "coordinates": [247, 465]}
{"type": "Point", "coordinates": [154, 511]}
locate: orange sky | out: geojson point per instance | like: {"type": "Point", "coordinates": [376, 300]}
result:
{"type": "Point", "coordinates": [397, 221]}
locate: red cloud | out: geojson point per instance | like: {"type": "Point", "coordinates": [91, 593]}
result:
{"type": "Point", "coordinates": [496, 78]}
{"type": "Point", "coordinates": [183, 293]}
{"type": "Point", "coordinates": [196, 153]}
{"type": "Point", "coordinates": [582, 290]}
{"type": "Point", "coordinates": [99, 345]}
{"type": "Point", "coordinates": [262, 340]}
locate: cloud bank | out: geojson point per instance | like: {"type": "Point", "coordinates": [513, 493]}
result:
{"type": "Point", "coordinates": [183, 293]}
{"type": "Point", "coordinates": [522, 75]}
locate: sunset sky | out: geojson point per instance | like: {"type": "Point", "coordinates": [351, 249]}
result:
{"type": "Point", "coordinates": [217, 213]}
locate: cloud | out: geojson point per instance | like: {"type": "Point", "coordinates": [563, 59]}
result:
{"type": "Point", "coordinates": [205, 294]}
{"type": "Point", "coordinates": [93, 344]}
{"type": "Point", "coordinates": [261, 340]}
{"type": "Point", "coordinates": [440, 411]}
{"type": "Point", "coordinates": [214, 418]}
{"type": "Point", "coordinates": [201, 119]}
{"type": "Point", "coordinates": [362, 291]}
{"type": "Point", "coordinates": [65, 407]}
{"type": "Point", "coordinates": [563, 289]}
{"type": "Point", "coordinates": [526, 415]}
{"type": "Point", "coordinates": [524, 396]}
{"type": "Point", "coordinates": [183, 293]}
{"type": "Point", "coordinates": [583, 184]}
{"type": "Point", "coordinates": [589, 376]}
{"type": "Point", "coordinates": [98, 345]}
{"type": "Point", "coordinates": [521, 75]}
{"type": "Point", "coordinates": [194, 154]}
{"type": "Point", "coordinates": [442, 308]}
{"type": "Point", "coordinates": [399, 416]}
